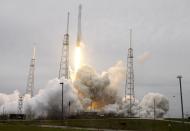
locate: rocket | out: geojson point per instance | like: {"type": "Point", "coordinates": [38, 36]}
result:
{"type": "Point", "coordinates": [79, 26]}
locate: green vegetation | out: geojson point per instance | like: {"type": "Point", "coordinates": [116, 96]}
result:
{"type": "Point", "coordinates": [112, 123]}
{"type": "Point", "coordinates": [124, 124]}
{"type": "Point", "coordinates": [178, 119]}
{"type": "Point", "coordinates": [22, 127]}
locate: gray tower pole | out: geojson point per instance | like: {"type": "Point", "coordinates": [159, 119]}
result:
{"type": "Point", "coordinates": [181, 95]}
{"type": "Point", "coordinates": [30, 80]}
{"type": "Point", "coordinates": [64, 63]}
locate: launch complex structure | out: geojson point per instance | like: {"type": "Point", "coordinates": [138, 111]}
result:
{"type": "Point", "coordinates": [30, 82]}
{"type": "Point", "coordinates": [64, 63]}
{"type": "Point", "coordinates": [65, 72]}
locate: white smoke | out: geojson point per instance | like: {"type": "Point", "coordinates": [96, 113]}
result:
{"type": "Point", "coordinates": [102, 89]}
{"type": "Point", "coordinates": [144, 57]}
{"type": "Point", "coordinates": [46, 101]}
{"type": "Point", "coordinates": [90, 89]}
{"type": "Point", "coordinates": [153, 101]}
{"type": "Point", "coordinates": [111, 109]}
{"type": "Point", "coordinates": [8, 101]}
{"type": "Point", "coordinates": [150, 104]}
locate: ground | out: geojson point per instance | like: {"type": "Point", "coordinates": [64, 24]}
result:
{"type": "Point", "coordinates": [32, 128]}
{"type": "Point", "coordinates": [95, 124]}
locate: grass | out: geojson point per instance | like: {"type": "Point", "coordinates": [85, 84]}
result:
{"type": "Point", "coordinates": [125, 124]}
{"type": "Point", "coordinates": [22, 127]}
{"type": "Point", "coordinates": [109, 123]}
{"type": "Point", "coordinates": [131, 124]}
{"type": "Point", "coordinates": [178, 119]}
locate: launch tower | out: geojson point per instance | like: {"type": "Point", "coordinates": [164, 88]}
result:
{"type": "Point", "coordinates": [64, 63]}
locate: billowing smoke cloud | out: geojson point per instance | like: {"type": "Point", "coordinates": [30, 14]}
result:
{"type": "Point", "coordinates": [144, 57]}
{"type": "Point", "coordinates": [88, 91]}
{"type": "Point", "coordinates": [8, 102]}
{"type": "Point", "coordinates": [99, 90]}
{"type": "Point", "coordinates": [150, 104]}
{"type": "Point", "coordinates": [47, 102]}
{"type": "Point", "coordinates": [153, 101]}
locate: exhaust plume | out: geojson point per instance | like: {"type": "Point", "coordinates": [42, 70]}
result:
{"type": "Point", "coordinates": [89, 91]}
{"type": "Point", "coordinates": [144, 57]}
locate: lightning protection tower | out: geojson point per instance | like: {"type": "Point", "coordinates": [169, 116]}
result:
{"type": "Point", "coordinates": [30, 80]}
{"type": "Point", "coordinates": [64, 63]}
{"type": "Point", "coordinates": [129, 85]}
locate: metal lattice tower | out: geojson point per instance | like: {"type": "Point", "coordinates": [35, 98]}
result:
{"type": "Point", "coordinates": [30, 80]}
{"type": "Point", "coordinates": [64, 63]}
{"type": "Point", "coordinates": [129, 86]}
{"type": "Point", "coordinates": [20, 104]}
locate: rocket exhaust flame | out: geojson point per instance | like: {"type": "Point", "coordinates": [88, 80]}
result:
{"type": "Point", "coordinates": [77, 58]}
{"type": "Point", "coordinates": [78, 48]}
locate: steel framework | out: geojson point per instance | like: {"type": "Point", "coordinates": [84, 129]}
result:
{"type": "Point", "coordinates": [20, 104]}
{"type": "Point", "coordinates": [64, 63]}
{"type": "Point", "coordinates": [30, 80]}
{"type": "Point", "coordinates": [129, 86]}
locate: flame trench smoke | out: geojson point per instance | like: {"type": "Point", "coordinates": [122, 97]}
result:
{"type": "Point", "coordinates": [96, 91]}
{"type": "Point", "coordinates": [89, 91]}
